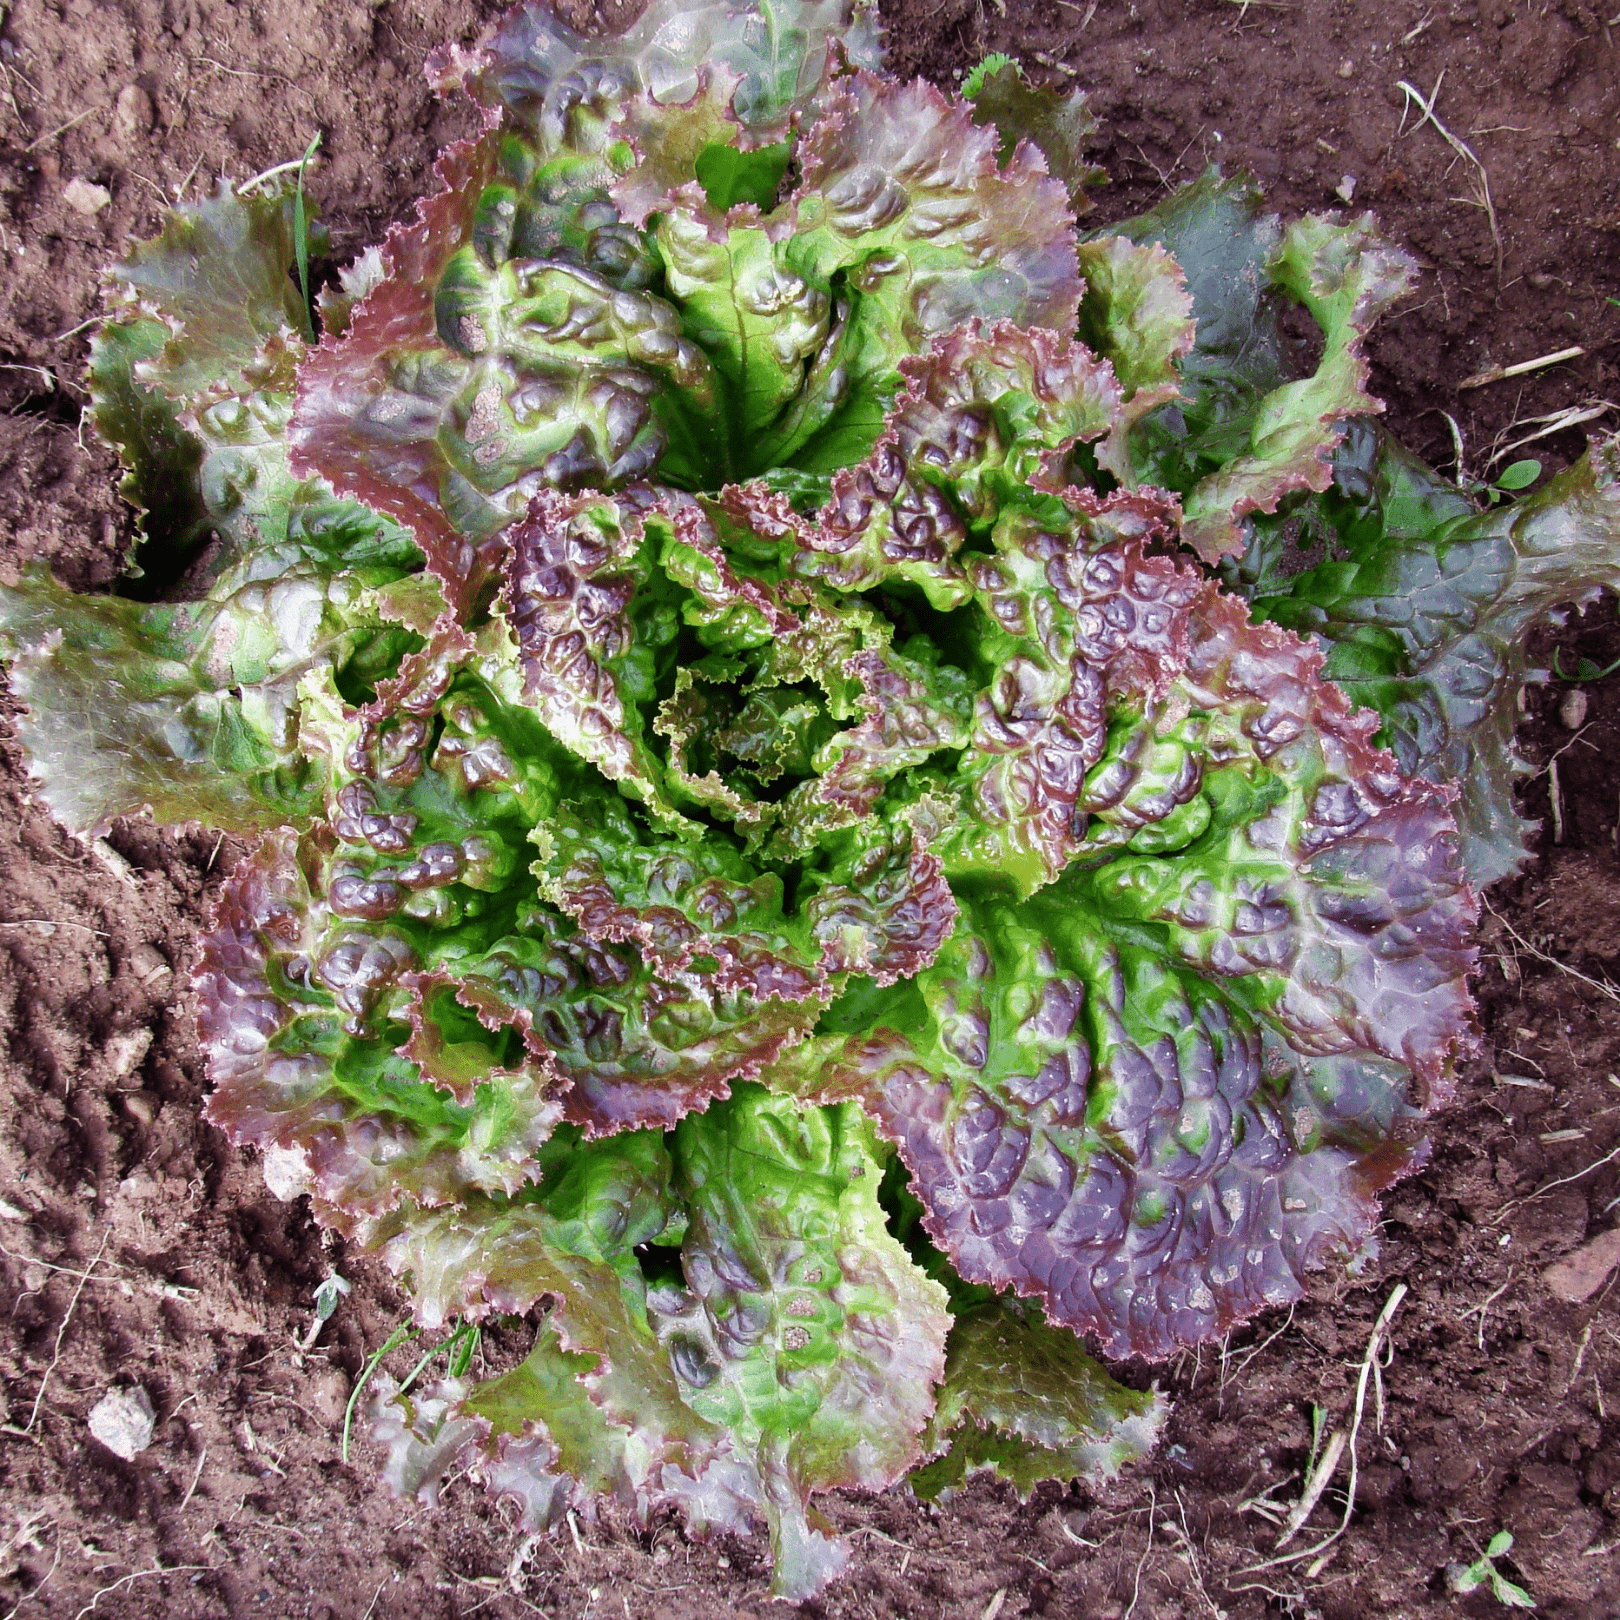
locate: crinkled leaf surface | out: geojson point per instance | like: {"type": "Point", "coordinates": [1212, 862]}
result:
{"type": "Point", "coordinates": [499, 356]}
{"type": "Point", "coordinates": [1250, 429]}
{"type": "Point", "coordinates": [1058, 123]}
{"type": "Point", "coordinates": [798, 1353]}
{"type": "Point", "coordinates": [1427, 606]}
{"type": "Point", "coordinates": [534, 65]}
{"type": "Point", "coordinates": [189, 707]}
{"type": "Point", "coordinates": [1024, 1401]}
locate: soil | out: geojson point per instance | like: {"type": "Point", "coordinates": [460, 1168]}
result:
{"type": "Point", "coordinates": [137, 1247]}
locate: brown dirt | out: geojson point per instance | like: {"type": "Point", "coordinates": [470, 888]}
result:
{"type": "Point", "coordinates": [138, 1247]}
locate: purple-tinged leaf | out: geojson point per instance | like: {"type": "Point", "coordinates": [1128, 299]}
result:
{"type": "Point", "coordinates": [1058, 123]}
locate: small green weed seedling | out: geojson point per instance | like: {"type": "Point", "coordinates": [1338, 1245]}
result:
{"type": "Point", "coordinates": [1466, 1578]}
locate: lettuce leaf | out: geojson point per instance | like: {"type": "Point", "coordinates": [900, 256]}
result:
{"type": "Point", "coordinates": [799, 1353]}
{"type": "Point", "coordinates": [1250, 430]}
{"type": "Point", "coordinates": [1023, 1401]}
{"type": "Point", "coordinates": [191, 380]}
{"type": "Point", "coordinates": [1427, 606]}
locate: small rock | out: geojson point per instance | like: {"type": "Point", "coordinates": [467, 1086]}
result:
{"type": "Point", "coordinates": [147, 965]}
{"type": "Point", "coordinates": [125, 1052]}
{"type": "Point", "coordinates": [1578, 1276]}
{"type": "Point", "coordinates": [1572, 711]}
{"type": "Point", "coordinates": [123, 1420]}
{"type": "Point", "coordinates": [1347, 69]}
{"type": "Point", "coordinates": [1345, 191]}
{"type": "Point", "coordinates": [134, 114]}
{"type": "Point", "coordinates": [142, 1106]}
{"type": "Point", "coordinates": [85, 196]}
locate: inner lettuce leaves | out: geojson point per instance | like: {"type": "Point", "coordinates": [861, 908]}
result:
{"type": "Point", "coordinates": [814, 833]}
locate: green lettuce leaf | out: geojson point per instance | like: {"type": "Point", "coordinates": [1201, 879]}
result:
{"type": "Point", "coordinates": [1023, 1401]}
{"type": "Point", "coordinates": [1058, 123]}
{"type": "Point", "coordinates": [1250, 429]}
{"type": "Point", "coordinates": [191, 381]}
{"type": "Point", "coordinates": [797, 1354]}
{"type": "Point", "coordinates": [1427, 606]}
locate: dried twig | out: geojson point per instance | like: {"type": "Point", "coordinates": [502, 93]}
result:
{"type": "Point", "coordinates": [1562, 1181]}
{"type": "Point", "coordinates": [1461, 477]}
{"type": "Point", "coordinates": [61, 1333]}
{"type": "Point", "coordinates": [1462, 149]}
{"type": "Point", "coordinates": [1189, 1555]}
{"type": "Point", "coordinates": [1524, 367]}
{"type": "Point", "coordinates": [51, 923]}
{"type": "Point", "coordinates": [140, 1574]}
{"type": "Point", "coordinates": [1602, 986]}
{"type": "Point", "coordinates": [1147, 1551]}
{"type": "Point", "coordinates": [1554, 422]}
{"type": "Point", "coordinates": [1315, 1483]}
{"type": "Point", "coordinates": [1482, 1308]}
{"type": "Point", "coordinates": [1369, 1360]}
{"type": "Point", "coordinates": [191, 1490]}
{"type": "Point", "coordinates": [62, 129]}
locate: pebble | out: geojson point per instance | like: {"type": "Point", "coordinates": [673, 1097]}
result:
{"type": "Point", "coordinates": [1347, 69]}
{"type": "Point", "coordinates": [1578, 1276]}
{"type": "Point", "coordinates": [125, 1052]}
{"type": "Point", "coordinates": [123, 1421]}
{"type": "Point", "coordinates": [1346, 188]}
{"type": "Point", "coordinates": [133, 114]}
{"type": "Point", "coordinates": [1572, 711]}
{"type": "Point", "coordinates": [85, 196]}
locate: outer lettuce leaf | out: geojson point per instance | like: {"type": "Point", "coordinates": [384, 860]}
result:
{"type": "Point", "coordinates": [1085, 1091]}
{"type": "Point", "coordinates": [1023, 1401]}
{"type": "Point", "coordinates": [188, 709]}
{"type": "Point", "coordinates": [1128, 1171]}
{"type": "Point", "coordinates": [1250, 431]}
{"type": "Point", "coordinates": [160, 457]}
{"type": "Point", "coordinates": [1427, 608]}
{"type": "Point", "coordinates": [799, 1355]}
{"type": "Point", "coordinates": [1059, 124]}
{"type": "Point", "coordinates": [902, 225]}
{"type": "Point", "coordinates": [464, 383]}
{"type": "Point", "coordinates": [217, 277]}
{"type": "Point", "coordinates": [901, 190]}
{"type": "Point", "coordinates": [191, 381]}
{"type": "Point", "coordinates": [533, 65]}
{"type": "Point", "coordinates": [808, 1332]}
{"type": "Point", "coordinates": [1137, 311]}
{"type": "Point", "coordinates": [350, 1121]}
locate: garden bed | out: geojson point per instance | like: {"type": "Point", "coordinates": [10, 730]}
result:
{"type": "Point", "coordinates": [141, 1248]}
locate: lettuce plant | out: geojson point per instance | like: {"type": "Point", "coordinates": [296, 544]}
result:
{"type": "Point", "coordinates": [795, 836]}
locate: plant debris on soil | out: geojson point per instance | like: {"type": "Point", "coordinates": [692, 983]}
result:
{"type": "Point", "coordinates": [140, 1254]}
